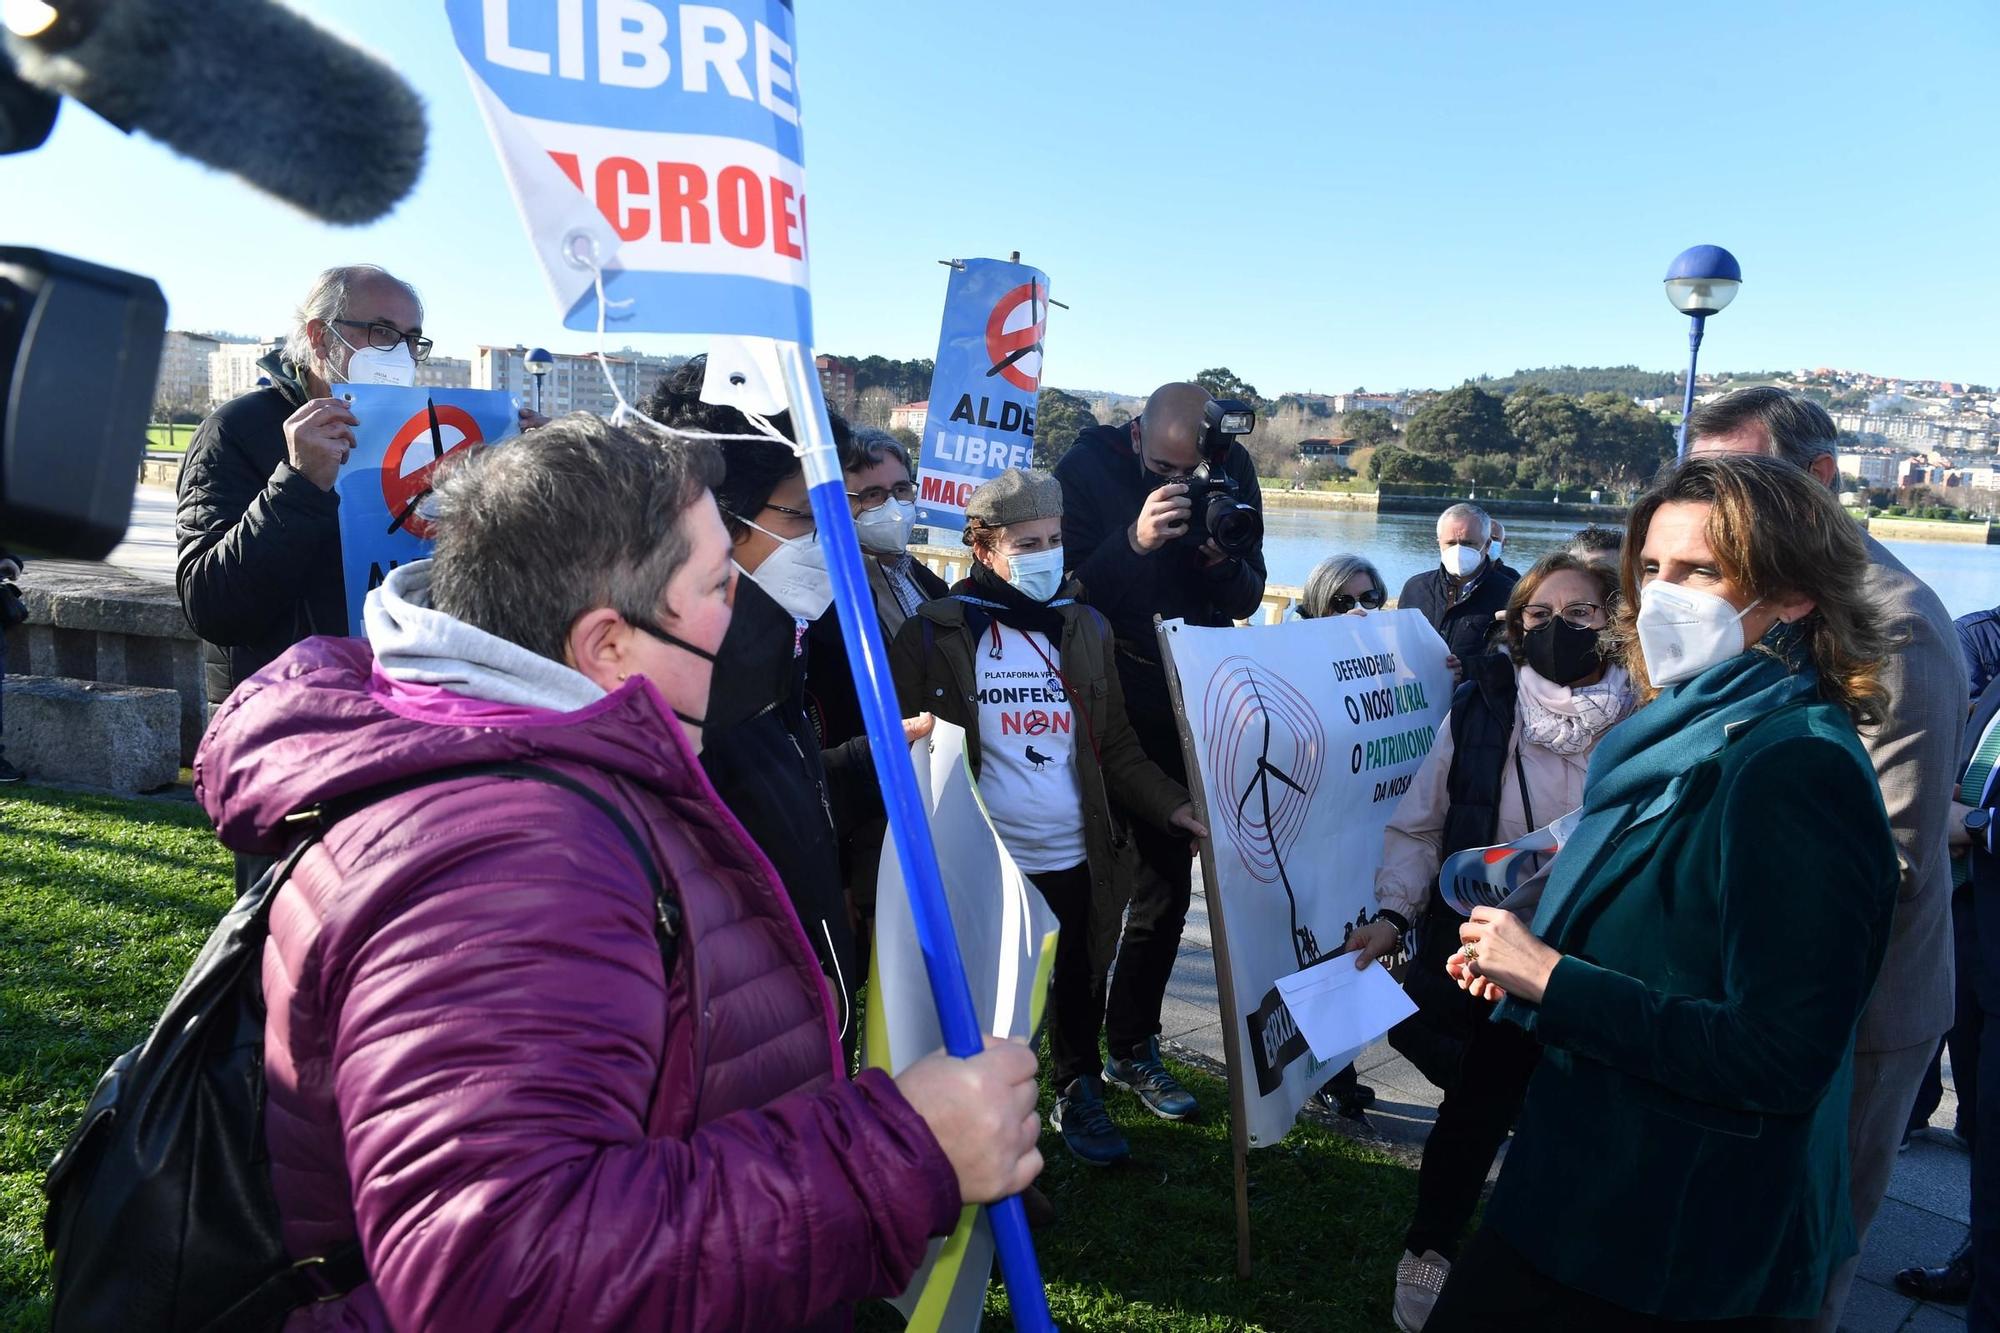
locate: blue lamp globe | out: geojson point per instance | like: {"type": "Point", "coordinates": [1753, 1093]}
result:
{"type": "Point", "coordinates": [1703, 279]}
{"type": "Point", "coordinates": [539, 362]}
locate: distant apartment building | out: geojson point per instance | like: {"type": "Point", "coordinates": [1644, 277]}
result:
{"type": "Point", "coordinates": [576, 382]}
{"type": "Point", "coordinates": [232, 369]}
{"type": "Point", "coordinates": [1871, 469]}
{"type": "Point", "coordinates": [910, 417]}
{"type": "Point", "coordinates": [1364, 402]}
{"type": "Point", "coordinates": [836, 381]}
{"type": "Point", "coordinates": [1962, 432]}
{"type": "Point", "coordinates": [444, 372]}
{"type": "Point", "coordinates": [183, 383]}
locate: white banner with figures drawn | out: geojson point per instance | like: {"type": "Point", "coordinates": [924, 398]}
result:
{"type": "Point", "coordinates": [1007, 941]}
{"type": "Point", "coordinates": [1301, 739]}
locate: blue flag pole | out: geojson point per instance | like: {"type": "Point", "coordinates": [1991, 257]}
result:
{"type": "Point", "coordinates": [908, 825]}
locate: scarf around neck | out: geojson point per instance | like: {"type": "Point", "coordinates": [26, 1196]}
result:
{"type": "Point", "coordinates": [1001, 600]}
{"type": "Point", "coordinates": [1641, 768]}
{"type": "Point", "coordinates": [1568, 719]}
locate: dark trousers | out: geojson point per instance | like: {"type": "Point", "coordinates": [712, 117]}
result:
{"type": "Point", "coordinates": [1472, 1122]}
{"type": "Point", "coordinates": [1152, 938]}
{"type": "Point", "coordinates": [1963, 1040]}
{"type": "Point", "coordinates": [1982, 1314]}
{"type": "Point", "coordinates": [1151, 942]}
{"type": "Point", "coordinates": [1492, 1290]}
{"type": "Point", "coordinates": [1076, 990]}
{"type": "Point", "coordinates": [250, 869]}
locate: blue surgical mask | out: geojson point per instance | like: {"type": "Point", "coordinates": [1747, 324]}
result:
{"type": "Point", "coordinates": [1037, 576]}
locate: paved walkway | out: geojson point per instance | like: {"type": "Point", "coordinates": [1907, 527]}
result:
{"type": "Point", "coordinates": [1923, 1221]}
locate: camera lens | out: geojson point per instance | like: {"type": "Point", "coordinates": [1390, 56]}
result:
{"type": "Point", "coordinates": [1235, 527]}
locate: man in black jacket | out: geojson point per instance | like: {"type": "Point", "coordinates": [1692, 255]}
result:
{"type": "Point", "coordinates": [1125, 514]}
{"type": "Point", "coordinates": [1466, 590]}
{"type": "Point", "coordinates": [257, 521]}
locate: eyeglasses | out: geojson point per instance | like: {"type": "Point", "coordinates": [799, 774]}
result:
{"type": "Point", "coordinates": [1341, 603]}
{"type": "Point", "coordinates": [383, 337]}
{"type": "Point", "coordinates": [874, 497]}
{"type": "Point", "coordinates": [1577, 615]}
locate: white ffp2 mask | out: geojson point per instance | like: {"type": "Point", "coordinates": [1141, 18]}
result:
{"type": "Point", "coordinates": [885, 529]}
{"type": "Point", "coordinates": [1461, 562]}
{"type": "Point", "coordinates": [795, 574]}
{"type": "Point", "coordinates": [372, 365]}
{"type": "Point", "coordinates": [1684, 631]}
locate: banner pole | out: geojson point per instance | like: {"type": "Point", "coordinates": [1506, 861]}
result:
{"type": "Point", "coordinates": [908, 826]}
{"type": "Point", "coordinates": [1225, 988]}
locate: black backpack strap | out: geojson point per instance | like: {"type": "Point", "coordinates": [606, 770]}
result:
{"type": "Point", "coordinates": [331, 1276]}
{"type": "Point", "coordinates": [307, 1282]}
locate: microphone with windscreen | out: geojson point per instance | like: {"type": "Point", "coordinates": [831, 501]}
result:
{"type": "Point", "coordinates": [247, 86]}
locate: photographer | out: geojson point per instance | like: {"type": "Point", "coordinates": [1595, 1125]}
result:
{"type": "Point", "coordinates": [10, 601]}
{"type": "Point", "coordinates": [1133, 536]}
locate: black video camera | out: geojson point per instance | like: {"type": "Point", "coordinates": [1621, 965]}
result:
{"type": "Point", "coordinates": [1220, 513]}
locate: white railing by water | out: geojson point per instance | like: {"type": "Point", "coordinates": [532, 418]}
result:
{"type": "Point", "coordinates": [950, 562]}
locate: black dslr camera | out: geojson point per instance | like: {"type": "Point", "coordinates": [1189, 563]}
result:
{"type": "Point", "coordinates": [1220, 514]}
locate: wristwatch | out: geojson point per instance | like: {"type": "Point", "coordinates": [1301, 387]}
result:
{"type": "Point", "coordinates": [1978, 820]}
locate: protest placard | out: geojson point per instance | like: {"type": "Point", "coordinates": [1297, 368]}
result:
{"type": "Point", "coordinates": [1007, 938]}
{"type": "Point", "coordinates": [404, 434]}
{"type": "Point", "coordinates": [1300, 740]}
{"type": "Point", "coordinates": [983, 390]}
{"type": "Point", "coordinates": [656, 142]}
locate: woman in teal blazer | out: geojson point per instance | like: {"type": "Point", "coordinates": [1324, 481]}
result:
{"type": "Point", "coordinates": [1698, 963]}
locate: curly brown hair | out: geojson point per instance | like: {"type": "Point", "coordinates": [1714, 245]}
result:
{"type": "Point", "coordinates": [1776, 532]}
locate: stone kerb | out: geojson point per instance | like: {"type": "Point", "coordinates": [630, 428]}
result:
{"type": "Point", "coordinates": [90, 622]}
{"type": "Point", "coordinates": [122, 738]}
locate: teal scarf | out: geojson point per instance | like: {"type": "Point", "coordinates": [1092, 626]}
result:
{"type": "Point", "coordinates": [1640, 768]}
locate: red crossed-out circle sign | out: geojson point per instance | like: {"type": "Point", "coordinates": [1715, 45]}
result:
{"type": "Point", "coordinates": [409, 461]}
{"type": "Point", "coordinates": [1014, 335]}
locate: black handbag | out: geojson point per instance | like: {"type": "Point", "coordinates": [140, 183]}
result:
{"type": "Point", "coordinates": [161, 1214]}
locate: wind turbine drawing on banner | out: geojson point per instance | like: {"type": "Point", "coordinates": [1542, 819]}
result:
{"type": "Point", "coordinates": [437, 456]}
{"type": "Point", "coordinates": [1274, 808]}
{"type": "Point", "coordinates": [1034, 322]}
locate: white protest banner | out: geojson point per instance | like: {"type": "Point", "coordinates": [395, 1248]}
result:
{"type": "Point", "coordinates": [1301, 738]}
{"type": "Point", "coordinates": [658, 142]}
{"type": "Point", "coordinates": [1007, 939]}
{"type": "Point", "coordinates": [983, 390]}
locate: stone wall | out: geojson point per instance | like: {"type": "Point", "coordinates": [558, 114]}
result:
{"type": "Point", "coordinates": [88, 621]}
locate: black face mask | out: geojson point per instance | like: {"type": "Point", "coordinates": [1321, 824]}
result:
{"type": "Point", "coordinates": [645, 626]}
{"type": "Point", "coordinates": [1560, 652]}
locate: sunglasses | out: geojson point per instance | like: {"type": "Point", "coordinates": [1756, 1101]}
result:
{"type": "Point", "coordinates": [1341, 603]}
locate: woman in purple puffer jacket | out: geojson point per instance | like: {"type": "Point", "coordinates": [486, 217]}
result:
{"type": "Point", "coordinates": [477, 1061]}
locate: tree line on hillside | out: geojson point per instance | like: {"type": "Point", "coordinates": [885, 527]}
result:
{"type": "Point", "coordinates": [1532, 439]}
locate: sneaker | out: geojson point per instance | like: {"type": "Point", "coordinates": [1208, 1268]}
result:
{"type": "Point", "coordinates": [1418, 1282]}
{"type": "Point", "coordinates": [1085, 1125]}
{"type": "Point", "coordinates": [9, 773]}
{"type": "Point", "coordinates": [1145, 1077]}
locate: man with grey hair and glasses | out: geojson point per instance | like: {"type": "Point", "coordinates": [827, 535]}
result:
{"type": "Point", "coordinates": [1915, 753]}
{"type": "Point", "coordinates": [256, 519]}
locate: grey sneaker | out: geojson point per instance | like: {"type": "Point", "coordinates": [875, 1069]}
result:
{"type": "Point", "coordinates": [1418, 1282]}
{"type": "Point", "coordinates": [1144, 1076]}
{"type": "Point", "coordinates": [1079, 1116]}
{"type": "Point", "coordinates": [9, 773]}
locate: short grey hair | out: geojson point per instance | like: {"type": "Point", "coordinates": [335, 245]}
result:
{"type": "Point", "coordinates": [1329, 576]}
{"type": "Point", "coordinates": [1800, 430]}
{"type": "Point", "coordinates": [327, 299]}
{"type": "Point", "coordinates": [1473, 512]}
{"type": "Point", "coordinates": [572, 516]}
{"type": "Point", "coordinates": [869, 445]}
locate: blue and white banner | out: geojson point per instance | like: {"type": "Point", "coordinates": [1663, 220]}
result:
{"type": "Point", "coordinates": [404, 434]}
{"type": "Point", "coordinates": [660, 141]}
{"type": "Point", "coordinates": [989, 370]}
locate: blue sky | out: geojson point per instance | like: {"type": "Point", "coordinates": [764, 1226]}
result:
{"type": "Point", "coordinates": [1319, 195]}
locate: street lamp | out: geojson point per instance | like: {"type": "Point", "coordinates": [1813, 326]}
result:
{"type": "Point", "coordinates": [1700, 282]}
{"type": "Point", "coordinates": [539, 363]}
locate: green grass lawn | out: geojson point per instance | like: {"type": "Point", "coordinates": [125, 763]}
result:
{"type": "Point", "coordinates": [104, 901]}
{"type": "Point", "coordinates": [164, 438]}
{"type": "Point", "coordinates": [102, 905]}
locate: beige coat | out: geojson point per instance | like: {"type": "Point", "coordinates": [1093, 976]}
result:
{"type": "Point", "coordinates": [1412, 846]}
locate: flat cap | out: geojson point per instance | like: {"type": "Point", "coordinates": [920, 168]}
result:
{"type": "Point", "coordinates": [1015, 496]}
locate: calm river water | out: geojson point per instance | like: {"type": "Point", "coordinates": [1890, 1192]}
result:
{"type": "Point", "coordinates": [1966, 578]}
